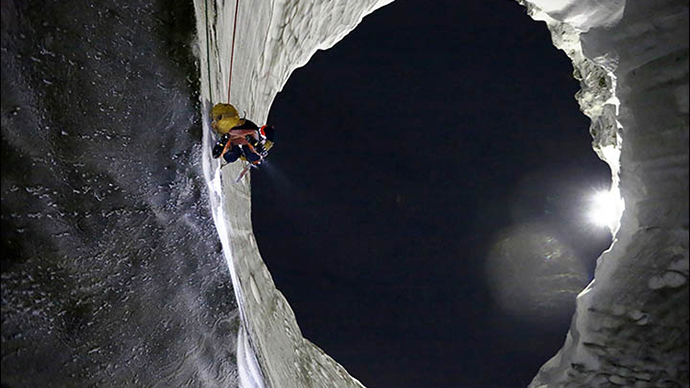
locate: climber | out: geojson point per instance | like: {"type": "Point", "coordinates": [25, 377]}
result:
{"type": "Point", "coordinates": [240, 138]}
{"type": "Point", "coordinates": [247, 141]}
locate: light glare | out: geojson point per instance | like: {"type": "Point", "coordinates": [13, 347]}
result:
{"type": "Point", "coordinates": [605, 209]}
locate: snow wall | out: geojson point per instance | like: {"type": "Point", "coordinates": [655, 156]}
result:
{"type": "Point", "coordinates": [631, 323]}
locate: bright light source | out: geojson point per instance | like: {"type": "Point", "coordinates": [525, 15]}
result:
{"type": "Point", "coordinates": [606, 208]}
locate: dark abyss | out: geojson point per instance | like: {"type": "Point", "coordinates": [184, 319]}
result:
{"type": "Point", "coordinates": [402, 155]}
{"type": "Point", "coordinates": [112, 274]}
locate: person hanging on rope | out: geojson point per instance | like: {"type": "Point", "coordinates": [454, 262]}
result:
{"type": "Point", "coordinates": [240, 138]}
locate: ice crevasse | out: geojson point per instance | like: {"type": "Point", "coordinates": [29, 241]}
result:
{"type": "Point", "coordinates": [631, 58]}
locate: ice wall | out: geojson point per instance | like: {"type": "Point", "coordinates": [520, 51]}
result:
{"type": "Point", "coordinates": [272, 39]}
{"type": "Point", "coordinates": [631, 324]}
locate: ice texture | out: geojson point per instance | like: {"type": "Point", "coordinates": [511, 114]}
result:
{"type": "Point", "coordinates": [631, 323]}
{"type": "Point", "coordinates": [102, 205]}
{"type": "Point", "coordinates": [273, 39]}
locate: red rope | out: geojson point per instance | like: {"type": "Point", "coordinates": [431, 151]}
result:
{"type": "Point", "coordinates": [232, 51]}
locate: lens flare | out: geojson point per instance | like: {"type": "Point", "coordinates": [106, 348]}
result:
{"type": "Point", "coordinates": [533, 275]}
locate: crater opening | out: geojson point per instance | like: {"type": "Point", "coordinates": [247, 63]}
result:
{"type": "Point", "coordinates": [426, 209]}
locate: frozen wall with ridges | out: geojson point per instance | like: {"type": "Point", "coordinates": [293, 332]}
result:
{"type": "Point", "coordinates": [630, 328]}
{"type": "Point", "coordinates": [273, 39]}
{"type": "Point", "coordinates": [631, 324]}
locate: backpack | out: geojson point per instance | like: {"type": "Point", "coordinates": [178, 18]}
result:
{"type": "Point", "coordinates": [225, 117]}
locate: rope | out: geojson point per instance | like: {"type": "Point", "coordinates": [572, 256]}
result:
{"type": "Point", "coordinates": [232, 51]}
{"type": "Point", "coordinates": [208, 53]}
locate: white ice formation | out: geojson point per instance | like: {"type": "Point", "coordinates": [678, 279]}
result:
{"type": "Point", "coordinates": [631, 324]}
{"type": "Point", "coordinates": [273, 39]}
{"type": "Point", "coordinates": [630, 328]}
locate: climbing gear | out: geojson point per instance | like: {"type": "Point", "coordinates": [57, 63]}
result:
{"type": "Point", "coordinates": [224, 118]}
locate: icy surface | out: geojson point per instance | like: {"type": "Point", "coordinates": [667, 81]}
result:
{"type": "Point", "coordinates": [110, 277]}
{"type": "Point", "coordinates": [630, 328]}
{"type": "Point", "coordinates": [631, 324]}
{"type": "Point", "coordinates": [273, 38]}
